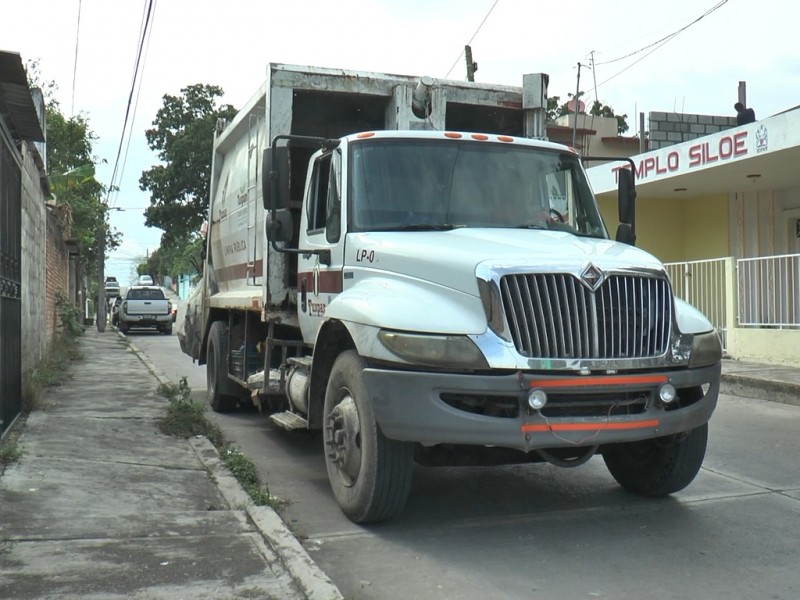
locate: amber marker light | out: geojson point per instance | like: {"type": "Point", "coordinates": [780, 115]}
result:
{"type": "Point", "coordinates": [505, 138]}
{"type": "Point", "coordinates": [366, 134]}
{"type": "Point", "coordinates": [479, 136]}
{"type": "Point", "coordinates": [452, 134]}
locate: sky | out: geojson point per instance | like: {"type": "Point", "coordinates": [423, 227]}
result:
{"type": "Point", "coordinates": [630, 59]}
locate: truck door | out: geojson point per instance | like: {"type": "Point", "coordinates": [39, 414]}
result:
{"type": "Point", "coordinates": [319, 275]}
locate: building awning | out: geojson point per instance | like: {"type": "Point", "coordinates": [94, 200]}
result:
{"type": "Point", "coordinates": [16, 104]}
{"type": "Point", "coordinates": [749, 158]}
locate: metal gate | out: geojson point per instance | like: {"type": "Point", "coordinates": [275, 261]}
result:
{"type": "Point", "coordinates": [10, 287]}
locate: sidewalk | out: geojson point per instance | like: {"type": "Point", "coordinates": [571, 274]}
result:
{"type": "Point", "coordinates": [778, 383]}
{"type": "Point", "coordinates": [102, 505]}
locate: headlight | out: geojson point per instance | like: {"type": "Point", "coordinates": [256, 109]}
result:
{"type": "Point", "coordinates": [434, 350]}
{"type": "Point", "coordinates": [706, 349]}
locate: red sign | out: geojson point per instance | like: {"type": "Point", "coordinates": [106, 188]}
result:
{"type": "Point", "coordinates": [697, 155]}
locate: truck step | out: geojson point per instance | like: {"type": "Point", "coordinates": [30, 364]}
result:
{"type": "Point", "coordinates": [289, 420]}
{"type": "Point", "coordinates": [301, 361]}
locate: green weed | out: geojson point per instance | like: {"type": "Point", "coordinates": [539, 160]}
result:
{"type": "Point", "coordinates": [9, 452]}
{"type": "Point", "coordinates": [246, 474]}
{"type": "Point", "coordinates": [71, 318]}
{"type": "Point", "coordinates": [51, 371]}
{"type": "Point", "coordinates": [186, 418]}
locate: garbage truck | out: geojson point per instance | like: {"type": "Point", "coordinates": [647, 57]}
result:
{"type": "Point", "coordinates": [406, 265]}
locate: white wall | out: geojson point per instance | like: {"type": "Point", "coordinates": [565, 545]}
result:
{"type": "Point", "coordinates": [760, 222]}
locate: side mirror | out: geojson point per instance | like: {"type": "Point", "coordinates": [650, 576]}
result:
{"type": "Point", "coordinates": [625, 234]}
{"type": "Point", "coordinates": [626, 193]}
{"type": "Point", "coordinates": [275, 177]}
{"type": "Point", "coordinates": [279, 225]}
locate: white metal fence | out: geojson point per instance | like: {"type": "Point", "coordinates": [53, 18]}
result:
{"type": "Point", "coordinates": [702, 283]}
{"type": "Point", "coordinates": [768, 291]}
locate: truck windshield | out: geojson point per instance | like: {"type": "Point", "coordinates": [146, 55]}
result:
{"type": "Point", "coordinates": [411, 184]}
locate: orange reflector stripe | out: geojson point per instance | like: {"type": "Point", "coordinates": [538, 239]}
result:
{"type": "Point", "coordinates": [544, 427]}
{"type": "Point", "coordinates": [479, 136]}
{"type": "Point", "coordinates": [596, 381]}
{"type": "Point", "coordinates": [452, 134]}
{"type": "Point", "coordinates": [366, 134]}
{"type": "Point", "coordinates": [505, 138]}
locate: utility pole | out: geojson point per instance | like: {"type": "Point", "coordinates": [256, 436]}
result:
{"type": "Point", "coordinates": [577, 106]}
{"type": "Point", "coordinates": [102, 305]}
{"type": "Point", "coordinates": [471, 66]}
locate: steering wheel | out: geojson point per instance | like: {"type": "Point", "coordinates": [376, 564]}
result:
{"type": "Point", "coordinates": [557, 216]}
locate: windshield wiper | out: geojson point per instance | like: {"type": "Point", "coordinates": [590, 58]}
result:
{"type": "Point", "coordinates": [420, 227]}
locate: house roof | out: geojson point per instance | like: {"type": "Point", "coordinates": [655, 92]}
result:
{"type": "Point", "coordinates": [16, 103]}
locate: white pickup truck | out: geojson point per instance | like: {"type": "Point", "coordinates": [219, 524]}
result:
{"type": "Point", "coordinates": [145, 306]}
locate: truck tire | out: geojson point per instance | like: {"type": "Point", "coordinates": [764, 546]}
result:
{"type": "Point", "coordinates": [217, 369]}
{"type": "Point", "coordinates": [123, 329]}
{"type": "Point", "coordinates": [370, 475]}
{"type": "Point", "coordinates": [167, 330]}
{"type": "Point", "coordinates": [660, 466]}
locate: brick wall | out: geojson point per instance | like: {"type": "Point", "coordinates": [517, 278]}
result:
{"type": "Point", "coordinates": [57, 269]}
{"type": "Point", "coordinates": [668, 129]}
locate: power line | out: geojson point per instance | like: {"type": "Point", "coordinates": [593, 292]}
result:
{"type": "Point", "coordinates": [472, 38]}
{"type": "Point", "coordinates": [75, 63]}
{"type": "Point", "coordinates": [136, 74]}
{"type": "Point", "coordinates": [666, 38]}
{"type": "Point", "coordinates": [656, 45]}
{"type": "Point", "coordinates": [136, 103]}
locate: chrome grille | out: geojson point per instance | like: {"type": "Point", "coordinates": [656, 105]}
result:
{"type": "Point", "coordinates": [556, 316]}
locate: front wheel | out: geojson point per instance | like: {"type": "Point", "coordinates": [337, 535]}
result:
{"type": "Point", "coordinates": [660, 466]}
{"type": "Point", "coordinates": [370, 475]}
{"type": "Point", "coordinates": [217, 368]}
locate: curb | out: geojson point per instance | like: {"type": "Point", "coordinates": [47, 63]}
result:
{"type": "Point", "coordinates": [309, 578]}
{"type": "Point", "coordinates": [753, 387]}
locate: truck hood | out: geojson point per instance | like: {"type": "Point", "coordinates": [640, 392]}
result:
{"type": "Point", "coordinates": [451, 258]}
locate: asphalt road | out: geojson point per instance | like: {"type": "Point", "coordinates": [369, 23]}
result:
{"type": "Point", "coordinates": [536, 531]}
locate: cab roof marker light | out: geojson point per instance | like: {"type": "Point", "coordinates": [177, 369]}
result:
{"type": "Point", "coordinates": [505, 138]}
{"type": "Point", "coordinates": [452, 134]}
{"type": "Point", "coordinates": [479, 136]}
{"type": "Point", "coordinates": [366, 134]}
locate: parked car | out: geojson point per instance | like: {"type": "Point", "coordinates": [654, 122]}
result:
{"type": "Point", "coordinates": [145, 306]}
{"type": "Point", "coordinates": [112, 287]}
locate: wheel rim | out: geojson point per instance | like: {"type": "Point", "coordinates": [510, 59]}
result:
{"type": "Point", "coordinates": [344, 438]}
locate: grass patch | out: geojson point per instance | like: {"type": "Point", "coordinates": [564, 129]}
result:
{"type": "Point", "coordinates": [9, 452]}
{"type": "Point", "coordinates": [246, 474]}
{"type": "Point", "coordinates": [52, 370]}
{"type": "Point", "coordinates": [71, 318]}
{"type": "Point", "coordinates": [187, 418]}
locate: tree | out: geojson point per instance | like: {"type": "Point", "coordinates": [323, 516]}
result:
{"type": "Point", "coordinates": [182, 136]}
{"type": "Point", "coordinates": [598, 109]}
{"type": "Point", "coordinates": [176, 260]}
{"type": "Point", "coordinates": [71, 165]}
